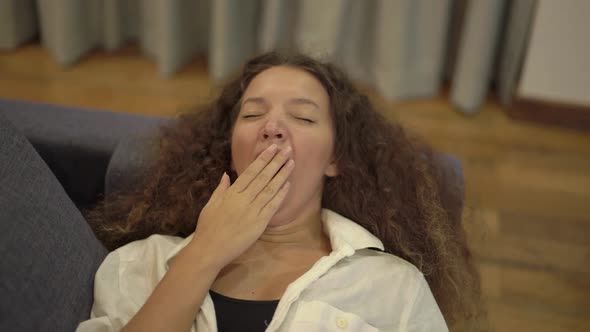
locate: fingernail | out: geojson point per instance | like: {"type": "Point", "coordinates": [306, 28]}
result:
{"type": "Point", "coordinates": [272, 148]}
{"type": "Point", "coordinates": [290, 163]}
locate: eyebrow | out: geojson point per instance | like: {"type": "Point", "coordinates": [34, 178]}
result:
{"type": "Point", "coordinates": [297, 101]}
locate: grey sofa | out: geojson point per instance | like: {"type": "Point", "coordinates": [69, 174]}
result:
{"type": "Point", "coordinates": [55, 160]}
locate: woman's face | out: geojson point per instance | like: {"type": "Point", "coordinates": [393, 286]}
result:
{"type": "Point", "coordinates": [289, 107]}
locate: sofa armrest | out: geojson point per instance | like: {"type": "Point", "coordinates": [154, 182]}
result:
{"type": "Point", "coordinates": [76, 143]}
{"type": "Point", "coordinates": [128, 163]}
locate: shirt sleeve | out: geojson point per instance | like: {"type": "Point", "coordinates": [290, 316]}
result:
{"type": "Point", "coordinates": [424, 314]}
{"type": "Point", "coordinates": [112, 308]}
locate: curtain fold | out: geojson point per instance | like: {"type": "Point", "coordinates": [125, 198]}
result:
{"type": "Point", "coordinates": [69, 28]}
{"type": "Point", "coordinates": [233, 35]}
{"type": "Point", "coordinates": [276, 25]}
{"type": "Point", "coordinates": [318, 27]}
{"type": "Point", "coordinates": [476, 54]}
{"type": "Point", "coordinates": [403, 48]}
{"type": "Point", "coordinates": [18, 22]}
{"type": "Point", "coordinates": [409, 47]}
{"type": "Point", "coordinates": [514, 46]}
{"type": "Point", "coordinates": [358, 37]}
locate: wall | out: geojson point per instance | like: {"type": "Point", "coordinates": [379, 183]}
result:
{"type": "Point", "coordinates": [557, 65]}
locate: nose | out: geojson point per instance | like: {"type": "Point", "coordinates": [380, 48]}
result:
{"type": "Point", "coordinates": [273, 132]}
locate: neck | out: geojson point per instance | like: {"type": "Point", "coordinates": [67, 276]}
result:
{"type": "Point", "coordinates": [281, 255]}
{"type": "Point", "coordinates": [303, 234]}
{"type": "Point", "coordinates": [302, 230]}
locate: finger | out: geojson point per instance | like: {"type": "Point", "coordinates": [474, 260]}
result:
{"type": "Point", "coordinates": [269, 210]}
{"type": "Point", "coordinates": [255, 168]}
{"type": "Point", "coordinates": [221, 187]}
{"type": "Point", "coordinates": [274, 186]}
{"type": "Point", "coordinates": [267, 174]}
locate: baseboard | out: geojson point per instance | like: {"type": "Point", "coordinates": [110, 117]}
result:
{"type": "Point", "coordinates": [574, 116]}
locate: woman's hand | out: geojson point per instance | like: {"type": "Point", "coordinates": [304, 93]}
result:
{"type": "Point", "coordinates": [235, 216]}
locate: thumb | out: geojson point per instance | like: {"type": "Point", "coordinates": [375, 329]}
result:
{"type": "Point", "coordinates": [223, 185]}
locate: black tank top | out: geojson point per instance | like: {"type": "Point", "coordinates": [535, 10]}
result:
{"type": "Point", "coordinates": [242, 315]}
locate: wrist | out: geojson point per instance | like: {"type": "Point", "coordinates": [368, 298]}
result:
{"type": "Point", "coordinates": [197, 255]}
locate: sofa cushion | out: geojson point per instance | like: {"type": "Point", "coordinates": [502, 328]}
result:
{"type": "Point", "coordinates": [49, 253]}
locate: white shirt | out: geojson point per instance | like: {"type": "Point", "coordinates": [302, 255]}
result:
{"type": "Point", "coordinates": [352, 289]}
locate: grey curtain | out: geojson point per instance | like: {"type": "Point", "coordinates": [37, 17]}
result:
{"type": "Point", "coordinates": [403, 48]}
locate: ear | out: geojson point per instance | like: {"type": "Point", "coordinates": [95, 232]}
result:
{"type": "Point", "coordinates": [332, 169]}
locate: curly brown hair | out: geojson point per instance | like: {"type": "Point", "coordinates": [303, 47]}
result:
{"type": "Point", "coordinates": [388, 182]}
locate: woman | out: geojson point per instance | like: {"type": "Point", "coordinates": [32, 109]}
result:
{"type": "Point", "coordinates": [288, 204]}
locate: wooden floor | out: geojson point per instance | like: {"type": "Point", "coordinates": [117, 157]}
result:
{"type": "Point", "coordinates": [527, 187]}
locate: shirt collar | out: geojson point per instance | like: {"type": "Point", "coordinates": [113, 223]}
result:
{"type": "Point", "coordinates": [342, 232]}
{"type": "Point", "coordinates": [345, 232]}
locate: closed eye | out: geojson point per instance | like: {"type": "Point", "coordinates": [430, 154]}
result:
{"type": "Point", "coordinates": [305, 120]}
{"type": "Point", "coordinates": [250, 116]}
